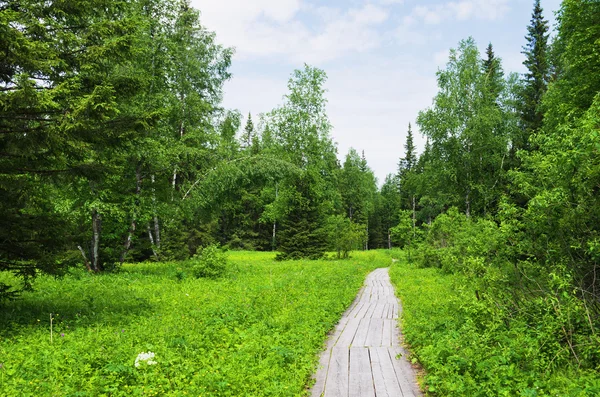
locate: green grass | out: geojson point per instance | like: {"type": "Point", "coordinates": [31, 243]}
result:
{"type": "Point", "coordinates": [257, 331]}
{"type": "Point", "coordinates": [468, 348]}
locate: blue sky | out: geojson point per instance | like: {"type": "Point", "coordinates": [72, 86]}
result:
{"type": "Point", "coordinates": [381, 57]}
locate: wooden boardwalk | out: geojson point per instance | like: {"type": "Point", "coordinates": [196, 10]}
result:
{"type": "Point", "coordinates": [363, 355]}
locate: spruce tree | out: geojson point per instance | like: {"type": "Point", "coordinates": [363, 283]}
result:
{"type": "Point", "coordinates": [303, 233]}
{"type": "Point", "coordinates": [410, 157]}
{"type": "Point", "coordinates": [493, 73]}
{"type": "Point", "coordinates": [248, 133]}
{"type": "Point", "coordinates": [536, 78]}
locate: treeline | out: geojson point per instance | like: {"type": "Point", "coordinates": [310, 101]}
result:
{"type": "Point", "coordinates": [506, 190]}
{"type": "Point", "coordinates": [114, 146]}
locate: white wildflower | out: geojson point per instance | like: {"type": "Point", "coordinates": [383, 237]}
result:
{"type": "Point", "coordinates": [145, 357]}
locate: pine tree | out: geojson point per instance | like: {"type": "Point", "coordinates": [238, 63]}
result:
{"type": "Point", "coordinates": [248, 133]}
{"type": "Point", "coordinates": [536, 78]}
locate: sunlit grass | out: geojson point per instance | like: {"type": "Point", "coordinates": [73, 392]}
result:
{"type": "Point", "coordinates": [257, 331]}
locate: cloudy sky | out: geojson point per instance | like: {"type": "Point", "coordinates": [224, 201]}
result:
{"type": "Point", "coordinates": [381, 57]}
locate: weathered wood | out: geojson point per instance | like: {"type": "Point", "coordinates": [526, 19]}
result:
{"type": "Point", "coordinates": [360, 359]}
{"type": "Point", "coordinates": [405, 373]}
{"type": "Point", "coordinates": [336, 384]}
{"type": "Point", "coordinates": [321, 375]}
{"type": "Point", "coordinates": [387, 335]}
{"type": "Point", "coordinates": [375, 334]}
{"type": "Point", "coordinates": [361, 333]}
{"type": "Point", "coordinates": [384, 375]}
{"type": "Point", "coordinates": [361, 378]}
{"type": "Point", "coordinates": [347, 336]}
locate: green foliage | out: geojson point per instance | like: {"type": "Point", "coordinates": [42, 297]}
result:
{"type": "Point", "coordinates": [405, 231]}
{"type": "Point", "coordinates": [344, 235]}
{"type": "Point", "coordinates": [303, 233]}
{"type": "Point", "coordinates": [258, 331]}
{"type": "Point", "coordinates": [472, 347]}
{"type": "Point", "coordinates": [468, 130]}
{"type": "Point", "coordinates": [458, 244]}
{"type": "Point", "coordinates": [209, 262]}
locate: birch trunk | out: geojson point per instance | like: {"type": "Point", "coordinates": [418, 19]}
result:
{"type": "Point", "coordinates": [96, 230]}
{"type": "Point", "coordinates": [152, 243]}
{"type": "Point", "coordinates": [133, 225]}
{"type": "Point", "coordinates": [86, 261]}
{"type": "Point", "coordinates": [156, 223]}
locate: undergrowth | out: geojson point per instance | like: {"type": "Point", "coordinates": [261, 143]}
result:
{"type": "Point", "coordinates": [469, 347]}
{"type": "Point", "coordinates": [255, 331]}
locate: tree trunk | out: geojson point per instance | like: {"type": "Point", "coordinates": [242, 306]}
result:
{"type": "Point", "coordinates": [156, 223]}
{"type": "Point", "coordinates": [152, 243]}
{"type": "Point", "coordinates": [133, 225]}
{"type": "Point", "coordinates": [86, 261]}
{"type": "Point", "coordinates": [156, 232]}
{"type": "Point", "coordinates": [414, 216]}
{"type": "Point", "coordinates": [173, 183]}
{"type": "Point", "coordinates": [273, 241]}
{"type": "Point", "coordinates": [389, 240]}
{"type": "Point", "coordinates": [96, 230]}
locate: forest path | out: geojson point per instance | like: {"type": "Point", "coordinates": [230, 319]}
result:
{"type": "Point", "coordinates": [361, 354]}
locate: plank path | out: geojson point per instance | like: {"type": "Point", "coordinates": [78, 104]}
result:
{"type": "Point", "coordinates": [363, 355]}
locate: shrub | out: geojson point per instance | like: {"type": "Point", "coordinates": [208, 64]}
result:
{"type": "Point", "coordinates": [209, 262]}
{"type": "Point", "coordinates": [344, 235]}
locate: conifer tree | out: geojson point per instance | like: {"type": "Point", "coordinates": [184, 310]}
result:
{"type": "Point", "coordinates": [248, 136]}
{"type": "Point", "coordinates": [406, 164]}
{"type": "Point", "coordinates": [493, 73]}
{"type": "Point", "coordinates": [303, 232]}
{"type": "Point", "coordinates": [536, 78]}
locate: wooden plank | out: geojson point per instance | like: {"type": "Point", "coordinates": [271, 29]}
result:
{"type": "Point", "coordinates": [321, 375]}
{"type": "Point", "coordinates": [405, 373]}
{"type": "Point", "coordinates": [395, 333]}
{"type": "Point", "coordinates": [375, 332]}
{"type": "Point", "coordinates": [384, 375]}
{"type": "Point", "coordinates": [352, 313]}
{"type": "Point", "coordinates": [371, 309]}
{"type": "Point", "coordinates": [337, 331]}
{"type": "Point", "coordinates": [378, 311]}
{"type": "Point", "coordinates": [345, 339]}
{"type": "Point", "coordinates": [360, 378]}
{"type": "Point", "coordinates": [363, 310]}
{"type": "Point", "coordinates": [387, 334]}
{"type": "Point", "coordinates": [361, 333]}
{"type": "Point", "coordinates": [337, 375]}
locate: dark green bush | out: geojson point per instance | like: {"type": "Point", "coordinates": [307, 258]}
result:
{"type": "Point", "coordinates": [209, 262]}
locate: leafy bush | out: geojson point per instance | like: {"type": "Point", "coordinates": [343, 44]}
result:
{"type": "Point", "coordinates": [477, 342]}
{"type": "Point", "coordinates": [344, 235]}
{"type": "Point", "coordinates": [210, 262]}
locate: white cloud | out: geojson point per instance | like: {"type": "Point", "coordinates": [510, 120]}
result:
{"type": "Point", "coordinates": [463, 10]}
{"type": "Point", "coordinates": [280, 28]}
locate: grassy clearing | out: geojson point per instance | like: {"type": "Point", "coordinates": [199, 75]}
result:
{"type": "Point", "coordinates": [257, 331]}
{"type": "Point", "coordinates": [467, 347]}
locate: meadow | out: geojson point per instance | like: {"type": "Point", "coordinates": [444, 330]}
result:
{"type": "Point", "coordinates": [256, 331]}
